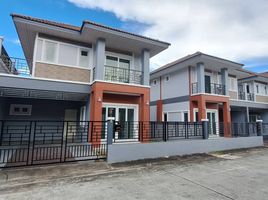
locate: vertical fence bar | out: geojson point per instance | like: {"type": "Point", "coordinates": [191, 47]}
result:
{"type": "Point", "coordinates": [32, 140]}
{"type": "Point", "coordinates": [2, 132]}
{"type": "Point", "coordinates": [66, 140]}
{"type": "Point", "coordinates": [63, 147]}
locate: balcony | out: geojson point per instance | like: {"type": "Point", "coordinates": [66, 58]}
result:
{"type": "Point", "coordinates": [212, 88]}
{"type": "Point", "coordinates": [246, 96]}
{"type": "Point", "coordinates": [13, 65]}
{"type": "Point", "coordinates": [121, 75]}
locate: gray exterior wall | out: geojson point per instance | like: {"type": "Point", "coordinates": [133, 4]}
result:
{"type": "Point", "coordinates": [153, 114]}
{"type": "Point", "coordinates": [239, 116]}
{"type": "Point", "coordinates": [155, 90]}
{"type": "Point", "coordinates": [41, 109]}
{"type": "Point", "coordinates": [177, 85]}
{"type": "Point", "coordinates": [138, 151]}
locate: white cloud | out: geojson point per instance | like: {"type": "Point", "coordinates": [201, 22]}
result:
{"type": "Point", "coordinates": [233, 29]}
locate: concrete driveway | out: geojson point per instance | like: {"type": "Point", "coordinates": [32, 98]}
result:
{"type": "Point", "coordinates": [238, 174]}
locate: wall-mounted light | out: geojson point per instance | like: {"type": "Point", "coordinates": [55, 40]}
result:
{"type": "Point", "coordinates": [147, 103]}
{"type": "Point", "coordinates": [99, 99]}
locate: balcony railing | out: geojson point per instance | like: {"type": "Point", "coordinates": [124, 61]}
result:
{"type": "Point", "coordinates": [242, 96]}
{"type": "Point", "coordinates": [116, 74]}
{"type": "Point", "coordinates": [250, 96]}
{"type": "Point", "coordinates": [246, 96]}
{"type": "Point", "coordinates": [15, 66]}
{"type": "Point", "coordinates": [212, 88]}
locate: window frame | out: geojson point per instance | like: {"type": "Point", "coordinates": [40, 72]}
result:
{"type": "Point", "coordinates": [58, 43]}
{"type": "Point", "coordinates": [12, 111]}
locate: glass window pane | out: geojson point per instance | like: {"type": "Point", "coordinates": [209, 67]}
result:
{"type": "Point", "coordinates": [68, 55]}
{"type": "Point", "coordinates": [122, 114]}
{"type": "Point", "coordinates": [84, 58]}
{"type": "Point", "coordinates": [124, 63]}
{"type": "Point", "coordinates": [39, 49]}
{"type": "Point", "coordinates": [50, 51]}
{"type": "Point", "coordinates": [111, 112]}
{"type": "Point", "coordinates": [111, 61]}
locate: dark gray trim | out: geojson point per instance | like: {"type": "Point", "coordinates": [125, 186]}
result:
{"type": "Point", "coordinates": [248, 104]}
{"type": "Point", "coordinates": [38, 84]}
{"type": "Point", "coordinates": [172, 100]}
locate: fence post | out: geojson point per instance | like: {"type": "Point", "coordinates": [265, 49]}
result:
{"type": "Point", "coordinates": [259, 127]}
{"type": "Point", "coordinates": [110, 131]}
{"type": "Point", "coordinates": [205, 128]}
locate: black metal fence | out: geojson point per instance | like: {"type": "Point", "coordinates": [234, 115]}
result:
{"type": "Point", "coordinates": [156, 131]}
{"type": "Point", "coordinates": [238, 129]}
{"type": "Point", "coordinates": [40, 142]}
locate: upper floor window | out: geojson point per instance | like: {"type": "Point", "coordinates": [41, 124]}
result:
{"type": "Point", "coordinates": [60, 53]}
{"type": "Point", "coordinates": [113, 61]}
{"type": "Point", "coordinates": [154, 82]}
{"type": "Point", "coordinates": [257, 89]}
{"type": "Point", "coordinates": [167, 78]}
{"type": "Point", "coordinates": [232, 83]}
{"type": "Point", "coordinates": [50, 49]}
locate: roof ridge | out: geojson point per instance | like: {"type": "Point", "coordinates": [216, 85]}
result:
{"type": "Point", "coordinates": [77, 28]}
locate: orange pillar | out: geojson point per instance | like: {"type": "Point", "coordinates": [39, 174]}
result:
{"type": "Point", "coordinates": [227, 119]}
{"type": "Point", "coordinates": [191, 110]}
{"type": "Point", "coordinates": [96, 115]}
{"type": "Point", "coordinates": [144, 113]}
{"type": "Point", "coordinates": [159, 110]}
{"type": "Point", "coordinates": [201, 108]}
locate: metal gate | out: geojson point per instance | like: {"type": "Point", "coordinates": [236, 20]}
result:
{"type": "Point", "coordinates": [41, 142]}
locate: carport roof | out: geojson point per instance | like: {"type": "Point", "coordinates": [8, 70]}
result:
{"type": "Point", "coordinates": [26, 87]}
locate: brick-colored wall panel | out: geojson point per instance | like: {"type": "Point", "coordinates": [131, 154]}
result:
{"type": "Point", "coordinates": [263, 99]}
{"type": "Point", "coordinates": [50, 71]}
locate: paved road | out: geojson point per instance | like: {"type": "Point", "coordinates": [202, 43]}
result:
{"type": "Point", "coordinates": [230, 175]}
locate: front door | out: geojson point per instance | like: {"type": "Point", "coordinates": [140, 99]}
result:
{"type": "Point", "coordinates": [207, 84]}
{"type": "Point", "coordinates": [126, 116]}
{"type": "Point", "coordinates": [212, 116]}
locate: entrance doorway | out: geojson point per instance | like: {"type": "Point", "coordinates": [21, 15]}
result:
{"type": "Point", "coordinates": [126, 116]}
{"type": "Point", "coordinates": [213, 120]}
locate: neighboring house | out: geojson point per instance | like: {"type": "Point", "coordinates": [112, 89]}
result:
{"type": "Point", "coordinates": [92, 72]}
{"type": "Point", "coordinates": [200, 86]}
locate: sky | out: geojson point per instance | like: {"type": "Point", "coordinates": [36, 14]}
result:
{"type": "Point", "coordinates": [231, 29]}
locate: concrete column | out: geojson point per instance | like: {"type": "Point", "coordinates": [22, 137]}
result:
{"type": "Point", "coordinates": [247, 112]}
{"type": "Point", "coordinates": [100, 59]}
{"type": "Point", "coordinates": [110, 131]}
{"type": "Point", "coordinates": [145, 63]}
{"type": "Point", "coordinates": [200, 77]}
{"type": "Point", "coordinates": [225, 80]}
{"type": "Point", "coordinates": [205, 127]}
{"type": "Point", "coordinates": [1, 44]}
{"type": "Point", "coordinates": [259, 127]}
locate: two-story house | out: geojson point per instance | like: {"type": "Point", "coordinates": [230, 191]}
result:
{"type": "Point", "coordinates": [203, 87]}
{"type": "Point", "coordinates": [72, 73]}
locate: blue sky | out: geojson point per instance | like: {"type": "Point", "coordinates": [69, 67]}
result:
{"type": "Point", "coordinates": [124, 16]}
